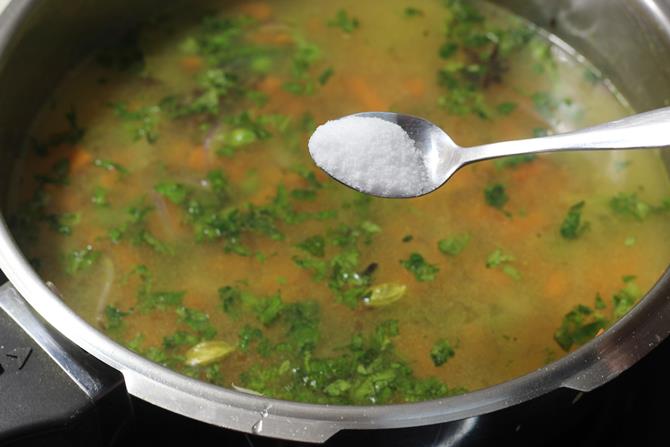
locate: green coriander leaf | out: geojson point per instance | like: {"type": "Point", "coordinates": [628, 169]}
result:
{"type": "Point", "coordinates": [325, 76]}
{"type": "Point", "coordinates": [505, 108]}
{"type": "Point", "coordinates": [315, 246]}
{"type": "Point", "coordinates": [198, 321]}
{"type": "Point", "coordinates": [630, 205]}
{"type": "Point", "coordinates": [573, 226]}
{"type": "Point", "coordinates": [109, 166]}
{"type": "Point", "coordinates": [114, 317]}
{"type": "Point", "coordinates": [413, 12]}
{"type": "Point", "coordinates": [344, 22]}
{"type": "Point", "coordinates": [99, 197]}
{"type": "Point", "coordinates": [441, 352]}
{"type": "Point", "coordinates": [579, 325]}
{"type": "Point", "coordinates": [175, 192]}
{"type": "Point", "coordinates": [420, 268]}
{"type": "Point", "coordinates": [58, 175]}
{"type": "Point", "coordinates": [497, 258]}
{"type": "Point", "coordinates": [496, 195]}
{"type": "Point", "coordinates": [79, 260]}
{"type": "Point", "coordinates": [454, 245]}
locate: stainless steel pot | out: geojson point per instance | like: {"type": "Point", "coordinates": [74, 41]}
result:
{"type": "Point", "coordinates": [39, 40]}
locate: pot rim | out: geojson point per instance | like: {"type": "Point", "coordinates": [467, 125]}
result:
{"type": "Point", "coordinates": [588, 367]}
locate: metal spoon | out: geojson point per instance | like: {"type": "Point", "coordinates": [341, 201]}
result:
{"type": "Point", "coordinates": [442, 157]}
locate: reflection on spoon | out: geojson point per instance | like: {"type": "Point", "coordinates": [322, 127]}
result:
{"type": "Point", "coordinates": [400, 156]}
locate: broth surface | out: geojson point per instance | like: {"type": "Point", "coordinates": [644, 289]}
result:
{"type": "Point", "coordinates": [175, 206]}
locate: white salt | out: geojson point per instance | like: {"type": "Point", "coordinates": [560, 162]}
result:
{"type": "Point", "coordinates": [371, 154]}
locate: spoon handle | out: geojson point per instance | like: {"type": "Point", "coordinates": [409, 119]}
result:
{"type": "Point", "coordinates": [644, 130]}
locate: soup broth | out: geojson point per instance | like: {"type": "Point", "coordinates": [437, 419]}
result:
{"type": "Point", "coordinates": [168, 195]}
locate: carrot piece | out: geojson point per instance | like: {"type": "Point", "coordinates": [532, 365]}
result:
{"type": "Point", "coordinates": [191, 64]}
{"type": "Point", "coordinates": [272, 37]}
{"type": "Point", "coordinates": [258, 10]}
{"type": "Point", "coordinates": [79, 158]}
{"type": "Point", "coordinates": [125, 256]}
{"type": "Point", "coordinates": [557, 285]}
{"type": "Point", "coordinates": [107, 179]}
{"type": "Point", "coordinates": [270, 84]}
{"type": "Point", "coordinates": [197, 158]}
{"type": "Point", "coordinates": [367, 95]}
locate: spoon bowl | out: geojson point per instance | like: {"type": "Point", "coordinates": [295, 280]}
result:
{"type": "Point", "coordinates": [442, 157]}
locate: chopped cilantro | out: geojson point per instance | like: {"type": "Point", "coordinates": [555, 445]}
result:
{"type": "Point", "coordinates": [579, 325]}
{"type": "Point", "coordinates": [544, 103]}
{"type": "Point", "coordinates": [179, 338]}
{"type": "Point", "coordinates": [161, 300]}
{"type": "Point", "coordinates": [629, 204]}
{"type": "Point", "coordinates": [99, 196]}
{"type": "Point", "coordinates": [413, 12]}
{"type": "Point", "coordinates": [249, 335]}
{"type": "Point", "coordinates": [420, 268]}
{"type": "Point", "coordinates": [344, 22]}
{"type": "Point", "coordinates": [349, 285]}
{"type": "Point", "coordinates": [265, 308]}
{"type": "Point", "coordinates": [447, 50]}
{"type": "Point", "coordinates": [500, 259]}
{"type": "Point", "coordinates": [573, 226]}
{"type": "Point", "coordinates": [497, 258]}
{"type": "Point", "coordinates": [302, 325]}
{"type": "Point", "coordinates": [454, 245]}
{"type": "Point", "coordinates": [505, 108]}
{"type": "Point", "coordinates": [314, 245]}
{"type": "Point", "coordinates": [71, 136]}
{"type": "Point", "coordinates": [496, 195]}
{"type": "Point", "coordinates": [145, 237]}
{"type": "Point", "coordinates": [114, 317]}
{"type": "Point", "coordinates": [304, 58]}
{"type": "Point", "coordinates": [143, 121]}
{"type": "Point", "coordinates": [268, 309]}
{"type": "Point", "coordinates": [441, 352]}
{"type": "Point", "coordinates": [198, 321]}
{"type": "Point", "coordinates": [325, 76]}
{"type": "Point", "coordinates": [148, 299]}
{"type": "Point", "coordinates": [109, 166]}
{"type": "Point", "coordinates": [63, 223]}
{"type": "Point", "coordinates": [175, 192]}
{"type": "Point", "coordinates": [230, 298]}
{"type": "Point", "coordinates": [625, 299]}
{"type": "Point", "coordinates": [79, 260]}
{"type": "Point", "coordinates": [367, 371]}
{"type": "Point", "coordinates": [317, 267]}
{"type": "Point", "coordinates": [477, 55]}
{"type": "Point", "coordinates": [541, 52]}
{"type": "Point", "coordinates": [58, 175]}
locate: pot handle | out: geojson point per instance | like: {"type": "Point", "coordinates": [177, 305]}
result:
{"type": "Point", "coordinates": [51, 388]}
